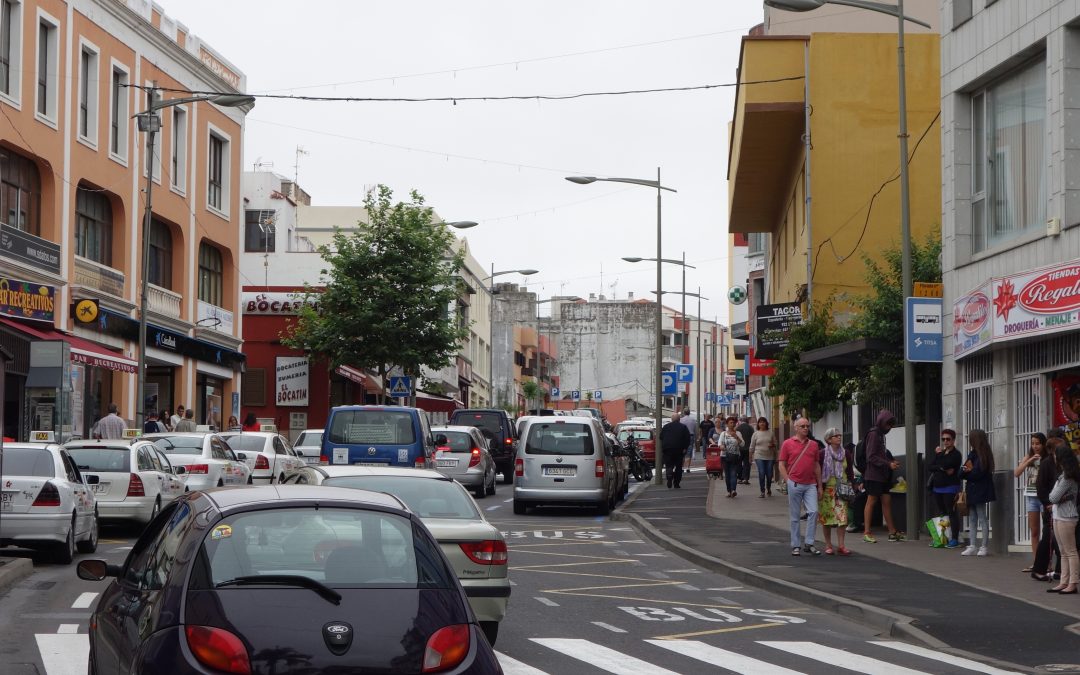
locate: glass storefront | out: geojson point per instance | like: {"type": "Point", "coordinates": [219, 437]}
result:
{"type": "Point", "coordinates": [209, 393]}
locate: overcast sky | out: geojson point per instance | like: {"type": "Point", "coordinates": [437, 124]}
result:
{"type": "Point", "coordinates": [502, 163]}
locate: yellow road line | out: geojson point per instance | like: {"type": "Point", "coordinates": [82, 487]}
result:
{"type": "Point", "coordinates": [718, 630]}
{"type": "Point", "coordinates": [511, 543]}
{"type": "Point", "coordinates": [657, 584]}
{"type": "Point", "coordinates": [581, 555]}
{"type": "Point", "coordinates": [534, 568]}
{"type": "Point", "coordinates": [586, 574]}
{"type": "Point", "coordinates": [649, 600]}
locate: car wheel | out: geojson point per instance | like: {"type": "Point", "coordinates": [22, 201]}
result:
{"type": "Point", "coordinates": [65, 552]}
{"type": "Point", "coordinates": [250, 481]}
{"type": "Point", "coordinates": [519, 508]}
{"type": "Point", "coordinates": [481, 491]}
{"type": "Point", "coordinates": [221, 483]}
{"type": "Point", "coordinates": [494, 481]}
{"type": "Point", "coordinates": [281, 479]}
{"type": "Point", "coordinates": [90, 545]}
{"type": "Point", "coordinates": [491, 631]}
{"type": "Point", "coordinates": [604, 507]}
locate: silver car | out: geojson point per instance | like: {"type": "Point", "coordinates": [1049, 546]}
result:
{"type": "Point", "coordinates": [208, 461]}
{"type": "Point", "coordinates": [462, 454]}
{"type": "Point", "coordinates": [565, 461]}
{"type": "Point", "coordinates": [473, 546]}
{"type": "Point", "coordinates": [45, 502]}
{"type": "Point", "coordinates": [308, 445]}
{"type": "Point", "coordinates": [267, 454]}
{"type": "Point", "coordinates": [134, 478]}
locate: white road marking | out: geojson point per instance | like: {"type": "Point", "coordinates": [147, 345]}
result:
{"type": "Point", "coordinates": [513, 583]}
{"type": "Point", "coordinates": [650, 555]}
{"type": "Point", "coordinates": [120, 548]}
{"type": "Point", "coordinates": [721, 658]}
{"type": "Point", "coordinates": [64, 654]}
{"type": "Point", "coordinates": [84, 601]}
{"type": "Point", "coordinates": [608, 626]}
{"type": "Point", "coordinates": [838, 658]}
{"type": "Point", "coordinates": [944, 658]}
{"type": "Point", "coordinates": [690, 571]}
{"type": "Point", "coordinates": [601, 657]}
{"type": "Point", "coordinates": [688, 587]}
{"type": "Point", "coordinates": [507, 501]}
{"type": "Point", "coordinates": [659, 575]}
{"type": "Point", "coordinates": [631, 541]}
{"type": "Point", "coordinates": [511, 666]}
{"type": "Point", "coordinates": [68, 628]}
{"type": "Point", "coordinates": [657, 518]}
{"type": "Point", "coordinates": [620, 529]}
{"type": "Point", "coordinates": [726, 588]}
{"type": "Point", "coordinates": [492, 508]}
{"type": "Point", "coordinates": [546, 601]}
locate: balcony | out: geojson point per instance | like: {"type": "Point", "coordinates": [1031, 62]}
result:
{"type": "Point", "coordinates": [100, 277]}
{"type": "Point", "coordinates": [673, 353]}
{"type": "Point", "coordinates": [163, 301]}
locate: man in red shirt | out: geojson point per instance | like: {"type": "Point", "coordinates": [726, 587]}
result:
{"type": "Point", "coordinates": [800, 468]}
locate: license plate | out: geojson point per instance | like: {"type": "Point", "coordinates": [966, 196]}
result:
{"type": "Point", "coordinates": [7, 502]}
{"type": "Point", "coordinates": [373, 463]}
{"type": "Point", "coordinates": [100, 488]}
{"type": "Point", "coordinates": [447, 463]}
{"type": "Point", "coordinates": [559, 470]}
{"type": "Point", "coordinates": [311, 460]}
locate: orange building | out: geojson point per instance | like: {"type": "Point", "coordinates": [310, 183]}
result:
{"type": "Point", "coordinates": [73, 176]}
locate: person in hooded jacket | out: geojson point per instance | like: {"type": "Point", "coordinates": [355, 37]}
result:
{"type": "Point", "coordinates": [978, 471]}
{"type": "Point", "coordinates": [879, 467]}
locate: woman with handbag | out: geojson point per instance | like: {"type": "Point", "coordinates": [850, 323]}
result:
{"type": "Point", "coordinates": [978, 470]}
{"type": "Point", "coordinates": [1064, 498]}
{"type": "Point", "coordinates": [944, 468]}
{"type": "Point", "coordinates": [731, 442]}
{"type": "Point", "coordinates": [837, 479]}
{"type": "Point", "coordinates": [763, 455]}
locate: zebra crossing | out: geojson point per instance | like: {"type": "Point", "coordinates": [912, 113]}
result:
{"type": "Point", "coordinates": [765, 657]}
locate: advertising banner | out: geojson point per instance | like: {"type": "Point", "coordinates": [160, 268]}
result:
{"type": "Point", "coordinates": [1065, 399]}
{"type": "Point", "coordinates": [774, 324]}
{"type": "Point", "coordinates": [24, 300]}
{"type": "Point", "coordinates": [971, 321]}
{"type": "Point", "coordinates": [1038, 302]}
{"type": "Point", "coordinates": [292, 381]}
{"type": "Point", "coordinates": [762, 367]}
{"type": "Point", "coordinates": [275, 302]}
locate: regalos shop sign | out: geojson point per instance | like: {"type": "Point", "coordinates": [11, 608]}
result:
{"type": "Point", "coordinates": [1039, 302]}
{"type": "Point", "coordinates": [971, 321]}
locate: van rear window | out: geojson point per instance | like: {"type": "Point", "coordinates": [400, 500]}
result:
{"type": "Point", "coordinates": [559, 439]}
{"type": "Point", "coordinates": [489, 423]}
{"type": "Point", "coordinates": [373, 427]}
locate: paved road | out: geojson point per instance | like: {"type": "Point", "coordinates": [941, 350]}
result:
{"type": "Point", "coordinates": [589, 596]}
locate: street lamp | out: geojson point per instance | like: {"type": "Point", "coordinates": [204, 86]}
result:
{"type": "Point", "coordinates": [150, 124]}
{"type": "Point", "coordinates": [684, 332]}
{"type": "Point", "coordinates": [460, 224]}
{"type": "Point", "coordinates": [491, 320]}
{"type": "Point", "coordinates": [585, 180]}
{"type": "Point", "coordinates": [911, 458]}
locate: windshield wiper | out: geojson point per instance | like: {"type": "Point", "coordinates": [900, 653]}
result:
{"type": "Point", "coordinates": [322, 589]}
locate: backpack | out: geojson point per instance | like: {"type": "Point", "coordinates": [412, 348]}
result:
{"type": "Point", "coordinates": [860, 453]}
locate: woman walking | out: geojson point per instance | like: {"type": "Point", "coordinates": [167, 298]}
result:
{"type": "Point", "coordinates": [978, 470]}
{"type": "Point", "coordinates": [944, 469]}
{"type": "Point", "coordinates": [1029, 469]}
{"type": "Point", "coordinates": [763, 455]}
{"type": "Point", "coordinates": [1063, 497]}
{"type": "Point", "coordinates": [731, 443]}
{"type": "Point", "coordinates": [837, 469]}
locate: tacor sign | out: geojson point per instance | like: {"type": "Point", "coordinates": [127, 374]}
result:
{"type": "Point", "coordinates": [1038, 302]}
{"type": "Point", "coordinates": [292, 381]}
{"type": "Point", "coordinates": [774, 324]}
{"type": "Point", "coordinates": [971, 321]}
{"type": "Point", "coordinates": [274, 303]}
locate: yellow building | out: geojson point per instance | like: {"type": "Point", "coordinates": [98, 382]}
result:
{"type": "Point", "coordinates": [847, 84]}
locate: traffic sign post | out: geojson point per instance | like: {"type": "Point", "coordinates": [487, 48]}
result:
{"type": "Point", "coordinates": [670, 386]}
{"type": "Point", "coordinates": [923, 338]}
{"type": "Point", "coordinates": [400, 386]}
{"type": "Point", "coordinates": [575, 396]}
{"type": "Point", "coordinates": [555, 393]}
{"type": "Point", "coordinates": [598, 395]}
{"type": "Point", "coordinates": [684, 372]}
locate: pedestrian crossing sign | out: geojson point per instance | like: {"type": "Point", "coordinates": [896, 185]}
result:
{"type": "Point", "coordinates": [400, 386]}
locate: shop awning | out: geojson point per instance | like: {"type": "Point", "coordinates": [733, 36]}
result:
{"type": "Point", "coordinates": [82, 351]}
{"type": "Point", "coordinates": [433, 403]}
{"type": "Point", "coordinates": [369, 383]}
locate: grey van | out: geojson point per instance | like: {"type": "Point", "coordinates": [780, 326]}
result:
{"type": "Point", "coordinates": [564, 461]}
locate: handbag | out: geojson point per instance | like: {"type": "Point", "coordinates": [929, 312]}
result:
{"type": "Point", "coordinates": [845, 491]}
{"type": "Point", "coordinates": [962, 504]}
{"type": "Point", "coordinates": [731, 454]}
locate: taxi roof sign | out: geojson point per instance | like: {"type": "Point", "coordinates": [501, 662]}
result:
{"type": "Point", "coordinates": [272, 428]}
{"type": "Point", "coordinates": [132, 433]}
{"type": "Point", "coordinates": [43, 436]}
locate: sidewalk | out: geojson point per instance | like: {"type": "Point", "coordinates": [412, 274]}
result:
{"type": "Point", "coordinates": [982, 606]}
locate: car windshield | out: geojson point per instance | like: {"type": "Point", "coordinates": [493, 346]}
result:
{"type": "Point", "coordinates": [426, 497]}
{"type": "Point", "coordinates": [29, 462]}
{"type": "Point", "coordinates": [489, 423]}
{"type": "Point", "coordinates": [116, 460]}
{"type": "Point", "coordinates": [310, 439]}
{"type": "Point", "coordinates": [638, 434]}
{"type": "Point", "coordinates": [559, 439]}
{"type": "Point", "coordinates": [180, 445]}
{"type": "Point", "coordinates": [242, 443]}
{"type": "Point", "coordinates": [337, 547]}
{"type": "Point", "coordinates": [373, 427]}
{"type": "Point", "coordinates": [456, 441]}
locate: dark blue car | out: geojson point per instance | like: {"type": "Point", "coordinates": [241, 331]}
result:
{"type": "Point", "coordinates": [378, 435]}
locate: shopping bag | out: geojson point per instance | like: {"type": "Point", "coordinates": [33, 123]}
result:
{"type": "Point", "coordinates": [935, 533]}
{"type": "Point", "coordinates": [962, 505]}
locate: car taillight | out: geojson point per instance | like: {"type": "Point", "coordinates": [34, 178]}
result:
{"type": "Point", "coordinates": [446, 648]}
{"type": "Point", "coordinates": [199, 468]}
{"type": "Point", "coordinates": [491, 552]}
{"type": "Point", "coordinates": [599, 468]}
{"type": "Point", "coordinates": [474, 457]}
{"type": "Point", "coordinates": [420, 462]}
{"type": "Point", "coordinates": [442, 448]}
{"type": "Point", "coordinates": [261, 462]}
{"type": "Point", "coordinates": [519, 467]}
{"type": "Point", "coordinates": [324, 460]}
{"type": "Point", "coordinates": [218, 649]}
{"type": "Point", "coordinates": [509, 442]}
{"type": "Point", "coordinates": [135, 486]}
{"type": "Point", "coordinates": [49, 495]}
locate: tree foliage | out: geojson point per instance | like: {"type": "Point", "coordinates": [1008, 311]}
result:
{"type": "Point", "coordinates": [532, 391]}
{"type": "Point", "coordinates": [387, 293]}
{"type": "Point", "coordinates": [804, 387]}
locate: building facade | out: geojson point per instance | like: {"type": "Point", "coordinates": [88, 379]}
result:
{"type": "Point", "coordinates": [72, 204]}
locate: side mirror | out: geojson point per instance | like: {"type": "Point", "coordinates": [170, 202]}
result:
{"type": "Point", "coordinates": [91, 479]}
{"type": "Point", "coordinates": [179, 469]}
{"type": "Point", "coordinates": [241, 456]}
{"type": "Point", "coordinates": [441, 439]}
{"type": "Point", "coordinates": [96, 570]}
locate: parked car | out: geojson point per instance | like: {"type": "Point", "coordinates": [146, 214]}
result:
{"type": "Point", "coordinates": [208, 461]}
{"type": "Point", "coordinates": [645, 437]}
{"type": "Point", "coordinates": [462, 454]}
{"type": "Point", "coordinates": [134, 479]}
{"type": "Point", "coordinates": [475, 548]}
{"type": "Point", "coordinates": [308, 445]}
{"type": "Point", "coordinates": [46, 504]}
{"type": "Point", "coordinates": [565, 461]}
{"type": "Point", "coordinates": [378, 435]}
{"type": "Point", "coordinates": [621, 461]}
{"type": "Point", "coordinates": [496, 425]}
{"type": "Point", "coordinates": [238, 580]}
{"type": "Point", "coordinates": [269, 456]}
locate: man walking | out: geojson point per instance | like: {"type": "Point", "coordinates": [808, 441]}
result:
{"type": "Point", "coordinates": [879, 467]}
{"type": "Point", "coordinates": [692, 427]}
{"type": "Point", "coordinates": [674, 439]}
{"type": "Point", "coordinates": [800, 467]}
{"type": "Point", "coordinates": [110, 426]}
{"type": "Point", "coordinates": [705, 432]}
{"type": "Point", "coordinates": [188, 423]}
{"type": "Point", "coordinates": [746, 432]}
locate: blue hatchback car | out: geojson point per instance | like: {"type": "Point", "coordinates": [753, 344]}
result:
{"type": "Point", "coordinates": [378, 435]}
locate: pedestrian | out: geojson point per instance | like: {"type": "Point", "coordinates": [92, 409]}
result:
{"type": "Point", "coordinates": [800, 466]}
{"type": "Point", "coordinates": [879, 467]}
{"type": "Point", "coordinates": [1048, 550]}
{"type": "Point", "coordinates": [188, 423]}
{"type": "Point", "coordinates": [1029, 469]}
{"type": "Point", "coordinates": [175, 419]}
{"type": "Point", "coordinates": [692, 426]}
{"type": "Point", "coordinates": [110, 426]}
{"type": "Point", "coordinates": [233, 424]}
{"type": "Point", "coordinates": [978, 471]}
{"type": "Point", "coordinates": [944, 470]}
{"type": "Point", "coordinates": [152, 425]}
{"type": "Point", "coordinates": [837, 470]}
{"type": "Point", "coordinates": [705, 432]}
{"type": "Point", "coordinates": [164, 419]}
{"type": "Point", "coordinates": [747, 432]}
{"type": "Point", "coordinates": [858, 506]}
{"type": "Point", "coordinates": [674, 439]}
{"type": "Point", "coordinates": [731, 455]}
{"type": "Point", "coordinates": [251, 423]}
{"type": "Point", "coordinates": [1063, 497]}
{"type": "Point", "coordinates": [763, 454]}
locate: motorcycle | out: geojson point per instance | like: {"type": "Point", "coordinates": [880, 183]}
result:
{"type": "Point", "coordinates": [639, 468]}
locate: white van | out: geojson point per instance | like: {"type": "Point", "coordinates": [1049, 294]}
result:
{"type": "Point", "coordinates": [564, 461]}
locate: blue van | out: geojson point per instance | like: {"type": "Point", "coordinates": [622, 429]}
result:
{"type": "Point", "coordinates": [378, 435]}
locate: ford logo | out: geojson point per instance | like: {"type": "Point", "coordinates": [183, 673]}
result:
{"type": "Point", "coordinates": [337, 628]}
{"type": "Point", "coordinates": [371, 451]}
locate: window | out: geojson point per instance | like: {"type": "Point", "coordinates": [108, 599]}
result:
{"type": "Point", "coordinates": [88, 94]}
{"type": "Point", "coordinates": [10, 47]}
{"type": "Point", "coordinates": [178, 162]}
{"type": "Point", "coordinates": [93, 225]}
{"type": "Point", "coordinates": [211, 279]}
{"type": "Point", "coordinates": [1008, 172]}
{"type": "Point", "coordinates": [20, 190]}
{"type": "Point", "coordinates": [217, 174]}
{"type": "Point", "coordinates": [961, 12]}
{"type": "Point", "coordinates": [259, 230]}
{"type": "Point", "coordinates": [47, 76]}
{"type": "Point", "coordinates": [118, 114]}
{"type": "Point", "coordinates": [755, 243]}
{"type": "Point", "coordinates": [253, 388]}
{"type": "Point", "coordinates": [160, 262]}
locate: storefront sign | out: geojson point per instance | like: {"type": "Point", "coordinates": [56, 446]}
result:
{"type": "Point", "coordinates": [25, 247]}
{"type": "Point", "coordinates": [24, 300]}
{"type": "Point", "coordinates": [292, 381]}
{"type": "Point", "coordinates": [1065, 399]}
{"type": "Point", "coordinates": [113, 323]}
{"type": "Point", "coordinates": [1041, 302]}
{"type": "Point", "coordinates": [774, 324]}
{"type": "Point", "coordinates": [761, 367]}
{"type": "Point", "coordinates": [215, 318]}
{"type": "Point", "coordinates": [729, 381]}
{"type": "Point", "coordinates": [271, 303]}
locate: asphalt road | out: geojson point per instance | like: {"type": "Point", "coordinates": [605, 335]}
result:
{"type": "Point", "coordinates": [590, 596]}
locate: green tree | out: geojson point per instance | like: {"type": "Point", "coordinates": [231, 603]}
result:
{"type": "Point", "coordinates": [805, 388]}
{"type": "Point", "coordinates": [533, 392]}
{"type": "Point", "coordinates": [387, 292]}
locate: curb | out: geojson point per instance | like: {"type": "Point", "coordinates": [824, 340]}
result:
{"type": "Point", "coordinates": [14, 570]}
{"type": "Point", "coordinates": [618, 514]}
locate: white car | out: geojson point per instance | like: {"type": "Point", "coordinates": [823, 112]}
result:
{"type": "Point", "coordinates": [208, 461]}
{"type": "Point", "coordinates": [308, 445]}
{"type": "Point", "coordinates": [268, 455]}
{"type": "Point", "coordinates": [135, 479]}
{"type": "Point", "coordinates": [46, 503]}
